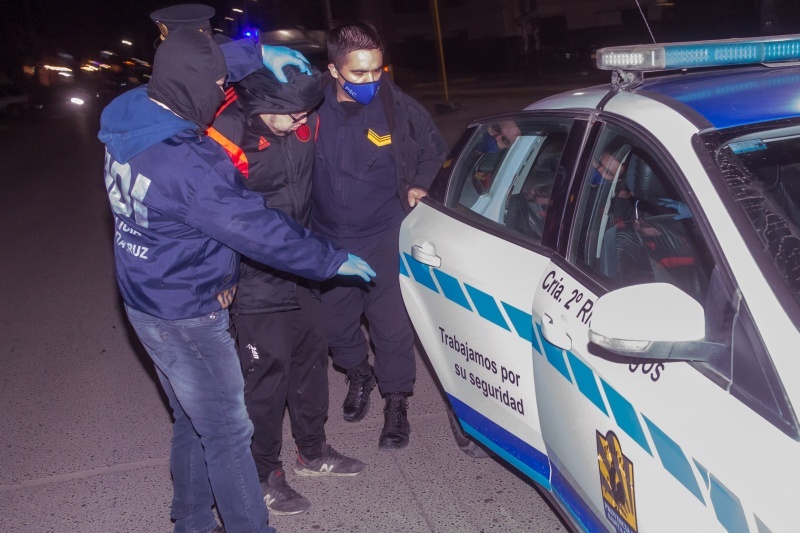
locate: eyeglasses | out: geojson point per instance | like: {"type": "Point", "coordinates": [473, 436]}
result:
{"type": "Point", "coordinates": [298, 118]}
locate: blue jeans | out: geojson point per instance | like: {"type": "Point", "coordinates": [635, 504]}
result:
{"type": "Point", "coordinates": [210, 459]}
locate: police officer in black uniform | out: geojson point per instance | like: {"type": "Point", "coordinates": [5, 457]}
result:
{"type": "Point", "coordinates": [377, 153]}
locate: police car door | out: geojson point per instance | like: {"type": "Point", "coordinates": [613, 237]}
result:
{"type": "Point", "coordinates": [641, 444]}
{"type": "Point", "coordinates": [468, 255]}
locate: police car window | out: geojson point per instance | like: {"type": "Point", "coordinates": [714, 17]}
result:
{"type": "Point", "coordinates": [506, 173]}
{"type": "Point", "coordinates": [632, 226]}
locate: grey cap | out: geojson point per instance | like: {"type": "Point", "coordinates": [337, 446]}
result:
{"type": "Point", "coordinates": [195, 16]}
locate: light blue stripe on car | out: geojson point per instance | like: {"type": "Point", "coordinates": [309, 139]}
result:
{"type": "Point", "coordinates": [555, 356]}
{"type": "Point", "coordinates": [486, 306]}
{"type": "Point", "coordinates": [626, 416]}
{"type": "Point", "coordinates": [727, 506]}
{"type": "Point", "coordinates": [522, 321]}
{"type": "Point", "coordinates": [586, 382]}
{"type": "Point", "coordinates": [451, 289]}
{"type": "Point", "coordinates": [403, 269]}
{"type": "Point", "coordinates": [421, 273]}
{"type": "Point", "coordinates": [673, 459]}
{"type": "Point", "coordinates": [703, 471]}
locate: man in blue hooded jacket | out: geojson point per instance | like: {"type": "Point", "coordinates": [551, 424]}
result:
{"type": "Point", "coordinates": [182, 218]}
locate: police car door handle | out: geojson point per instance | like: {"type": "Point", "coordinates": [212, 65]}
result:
{"type": "Point", "coordinates": [555, 332]}
{"type": "Point", "coordinates": [426, 254]}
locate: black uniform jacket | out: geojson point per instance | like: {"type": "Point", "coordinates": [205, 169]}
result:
{"type": "Point", "coordinates": [367, 158]}
{"type": "Point", "coordinates": [279, 168]}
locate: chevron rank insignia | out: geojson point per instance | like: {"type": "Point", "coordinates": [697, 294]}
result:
{"type": "Point", "coordinates": [379, 140]}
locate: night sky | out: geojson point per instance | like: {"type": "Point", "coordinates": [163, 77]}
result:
{"type": "Point", "coordinates": [31, 28]}
{"type": "Point", "coordinates": [36, 29]}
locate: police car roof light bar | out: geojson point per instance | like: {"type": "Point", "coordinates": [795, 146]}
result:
{"type": "Point", "coordinates": [669, 56]}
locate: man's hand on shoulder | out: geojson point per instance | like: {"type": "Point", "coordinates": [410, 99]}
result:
{"type": "Point", "coordinates": [415, 194]}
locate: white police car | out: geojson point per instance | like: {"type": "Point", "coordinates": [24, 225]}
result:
{"type": "Point", "coordinates": [608, 287]}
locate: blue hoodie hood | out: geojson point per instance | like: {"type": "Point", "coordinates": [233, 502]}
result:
{"type": "Point", "coordinates": [132, 123]}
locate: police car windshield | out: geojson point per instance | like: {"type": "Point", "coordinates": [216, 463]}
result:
{"type": "Point", "coordinates": [762, 170]}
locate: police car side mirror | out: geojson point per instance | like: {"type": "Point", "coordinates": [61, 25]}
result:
{"type": "Point", "coordinates": [654, 321]}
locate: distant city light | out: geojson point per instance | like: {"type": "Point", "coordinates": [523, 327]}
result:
{"type": "Point", "coordinates": [228, 18]}
{"type": "Point", "coordinates": [57, 69]}
{"type": "Point", "coordinates": [236, 9]}
{"type": "Point", "coordinates": [127, 42]}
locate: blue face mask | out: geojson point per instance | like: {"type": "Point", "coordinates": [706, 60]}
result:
{"type": "Point", "coordinates": [363, 93]}
{"type": "Point", "coordinates": [487, 145]}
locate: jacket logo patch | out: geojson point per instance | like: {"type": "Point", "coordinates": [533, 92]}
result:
{"type": "Point", "coordinates": [263, 143]}
{"type": "Point", "coordinates": [379, 140]}
{"type": "Point", "coordinates": [303, 133]}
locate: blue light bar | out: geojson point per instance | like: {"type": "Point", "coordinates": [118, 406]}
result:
{"type": "Point", "coordinates": [669, 56]}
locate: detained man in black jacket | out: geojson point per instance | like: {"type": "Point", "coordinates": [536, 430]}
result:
{"type": "Point", "coordinates": [377, 153]}
{"type": "Point", "coordinates": [268, 129]}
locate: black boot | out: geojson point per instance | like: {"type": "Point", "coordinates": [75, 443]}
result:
{"type": "Point", "coordinates": [356, 403]}
{"type": "Point", "coordinates": [396, 428]}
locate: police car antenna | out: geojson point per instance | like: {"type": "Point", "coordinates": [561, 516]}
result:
{"type": "Point", "coordinates": [645, 22]}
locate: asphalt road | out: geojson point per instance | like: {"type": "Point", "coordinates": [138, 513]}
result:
{"type": "Point", "coordinates": [85, 430]}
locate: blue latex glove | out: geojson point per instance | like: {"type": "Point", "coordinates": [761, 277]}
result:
{"type": "Point", "coordinates": [277, 57]}
{"type": "Point", "coordinates": [355, 266]}
{"type": "Point", "coordinates": [681, 208]}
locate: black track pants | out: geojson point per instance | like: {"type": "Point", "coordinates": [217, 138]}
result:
{"type": "Point", "coordinates": [284, 359]}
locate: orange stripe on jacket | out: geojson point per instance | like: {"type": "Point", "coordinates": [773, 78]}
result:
{"type": "Point", "coordinates": [230, 97]}
{"type": "Point", "coordinates": [234, 152]}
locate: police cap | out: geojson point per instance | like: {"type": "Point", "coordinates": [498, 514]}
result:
{"type": "Point", "coordinates": [195, 16]}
